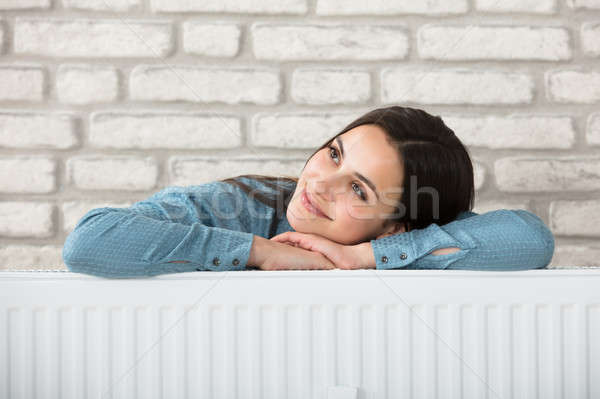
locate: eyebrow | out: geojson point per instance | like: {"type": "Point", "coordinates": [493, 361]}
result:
{"type": "Point", "coordinates": [360, 176]}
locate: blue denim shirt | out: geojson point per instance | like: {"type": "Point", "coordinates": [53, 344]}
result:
{"type": "Point", "coordinates": [211, 227]}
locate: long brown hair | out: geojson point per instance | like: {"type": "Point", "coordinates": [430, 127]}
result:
{"type": "Point", "coordinates": [433, 158]}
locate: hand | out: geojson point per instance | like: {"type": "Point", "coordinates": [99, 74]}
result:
{"type": "Point", "coordinates": [342, 256]}
{"type": "Point", "coordinates": [271, 255]}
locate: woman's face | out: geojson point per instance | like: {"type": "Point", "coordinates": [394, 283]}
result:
{"type": "Point", "coordinates": [355, 211]}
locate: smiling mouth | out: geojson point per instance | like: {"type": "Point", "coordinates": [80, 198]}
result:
{"type": "Point", "coordinates": [305, 199]}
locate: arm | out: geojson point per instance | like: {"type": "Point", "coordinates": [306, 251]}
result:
{"type": "Point", "coordinates": [155, 236]}
{"type": "Point", "coordinates": [497, 240]}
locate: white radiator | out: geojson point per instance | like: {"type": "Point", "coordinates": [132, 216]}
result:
{"type": "Point", "coordinates": [302, 334]}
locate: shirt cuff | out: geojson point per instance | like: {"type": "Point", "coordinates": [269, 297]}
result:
{"type": "Point", "coordinates": [224, 250]}
{"type": "Point", "coordinates": [401, 250]}
{"type": "Point", "coordinates": [215, 249]}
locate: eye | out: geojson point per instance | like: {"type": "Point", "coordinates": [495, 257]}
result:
{"type": "Point", "coordinates": [362, 194]}
{"type": "Point", "coordinates": [334, 154]}
{"type": "Point", "coordinates": [332, 150]}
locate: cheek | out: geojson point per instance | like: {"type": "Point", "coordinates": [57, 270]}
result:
{"type": "Point", "coordinates": [354, 211]}
{"type": "Point", "coordinates": [320, 159]}
{"type": "Point", "coordinates": [313, 165]}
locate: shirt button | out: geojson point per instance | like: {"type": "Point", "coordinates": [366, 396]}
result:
{"type": "Point", "coordinates": [403, 255]}
{"type": "Point", "coordinates": [384, 259]}
{"type": "Point", "coordinates": [236, 262]}
{"type": "Point", "coordinates": [216, 262]}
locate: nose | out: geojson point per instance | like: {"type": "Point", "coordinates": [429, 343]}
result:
{"type": "Point", "coordinates": [324, 189]}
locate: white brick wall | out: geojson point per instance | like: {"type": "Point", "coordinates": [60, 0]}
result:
{"type": "Point", "coordinates": [332, 41]}
{"type": "Point", "coordinates": [214, 40]}
{"type": "Point", "coordinates": [206, 85]}
{"type": "Point", "coordinates": [85, 84]}
{"type": "Point", "coordinates": [92, 38]}
{"type": "Point", "coordinates": [320, 86]}
{"type": "Point", "coordinates": [148, 130]}
{"type": "Point", "coordinates": [31, 130]}
{"type": "Point", "coordinates": [103, 5]}
{"type": "Point", "coordinates": [21, 83]}
{"type": "Point", "coordinates": [455, 86]}
{"type": "Point", "coordinates": [102, 103]}
{"type": "Point", "coordinates": [509, 43]}
{"type": "Point", "coordinates": [112, 173]}
{"type": "Point", "coordinates": [521, 6]}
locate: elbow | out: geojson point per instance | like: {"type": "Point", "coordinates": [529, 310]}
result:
{"type": "Point", "coordinates": [68, 255]}
{"type": "Point", "coordinates": [76, 252]}
{"type": "Point", "coordinates": [89, 248]}
{"type": "Point", "coordinates": [543, 237]}
{"type": "Point", "coordinates": [548, 240]}
{"type": "Point", "coordinates": [73, 254]}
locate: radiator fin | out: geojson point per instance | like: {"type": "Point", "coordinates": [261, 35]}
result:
{"type": "Point", "coordinates": [459, 350]}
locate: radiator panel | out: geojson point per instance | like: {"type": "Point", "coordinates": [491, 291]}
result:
{"type": "Point", "coordinates": [413, 334]}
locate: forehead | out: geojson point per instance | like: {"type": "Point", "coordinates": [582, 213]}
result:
{"type": "Point", "coordinates": [368, 152]}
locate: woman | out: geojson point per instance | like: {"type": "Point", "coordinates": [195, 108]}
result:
{"type": "Point", "coordinates": [393, 189]}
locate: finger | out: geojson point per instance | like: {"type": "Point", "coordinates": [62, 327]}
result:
{"type": "Point", "coordinates": [282, 236]}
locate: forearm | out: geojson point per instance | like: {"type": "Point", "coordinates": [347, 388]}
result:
{"type": "Point", "coordinates": [114, 242]}
{"type": "Point", "coordinates": [366, 256]}
{"type": "Point", "coordinates": [258, 251]}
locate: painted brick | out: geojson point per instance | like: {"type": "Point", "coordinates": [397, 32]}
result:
{"type": "Point", "coordinates": [24, 174]}
{"type": "Point", "coordinates": [584, 4]}
{"type": "Point", "coordinates": [581, 218]}
{"type": "Point", "coordinates": [22, 129]}
{"type": "Point", "coordinates": [149, 130]}
{"type": "Point", "coordinates": [21, 83]}
{"type": "Point", "coordinates": [573, 86]}
{"type": "Point", "coordinates": [31, 257]}
{"type": "Point", "coordinates": [26, 219]}
{"type": "Point", "coordinates": [231, 6]}
{"type": "Point", "coordinates": [445, 42]}
{"type": "Point", "coordinates": [457, 86]}
{"type": "Point", "coordinates": [479, 174]}
{"type": "Point", "coordinates": [194, 84]}
{"type": "Point", "coordinates": [24, 4]}
{"type": "Point", "coordinates": [296, 130]}
{"type": "Point", "coordinates": [103, 5]}
{"type": "Point", "coordinates": [593, 129]}
{"type": "Point", "coordinates": [390, 7]}
{"type": "Point", "coordinates": [321, 86]}
{"type": "Point", "coordinates": [213, 40]}
{"type": "Point", "coordinates": [482, 207]}
{"type": "Point", "coordinates": [328, 42]}
{"type": "Point", "coordinates": [514, 131]}
{"type": "Point", "coordinates": [113, 173]}
{"type": "Point", "coordinates": [73, 211]}
{"type": "Point", "coordinates": [568, 256]}
{"type": "Point", "coordinates": [520, 6]}
{"type": "Point", "coordinates": [521, 174]}
{"type": "Point", "coordinates": [193, 170]}
{"type": "Point", "coordinates": [86, 84]}
{"type": "Point", "coordinates": [93, 38]}
{"type": "Point", "coordinates": [590, 38]}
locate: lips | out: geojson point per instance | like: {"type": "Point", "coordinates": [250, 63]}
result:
{"type": "Point", "coordinates": [311, 205]}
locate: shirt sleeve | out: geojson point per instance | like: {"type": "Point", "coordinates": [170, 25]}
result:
{"type": "Point", "coordinates": [496, 240]}
{"type": "Point", "coordinates": [160, 235]}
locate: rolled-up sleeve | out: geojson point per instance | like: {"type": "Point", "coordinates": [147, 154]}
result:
{"type": "Point", "coordinates": [162, 234]}
{"type": "Point", "coordinates": [496, 240]}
